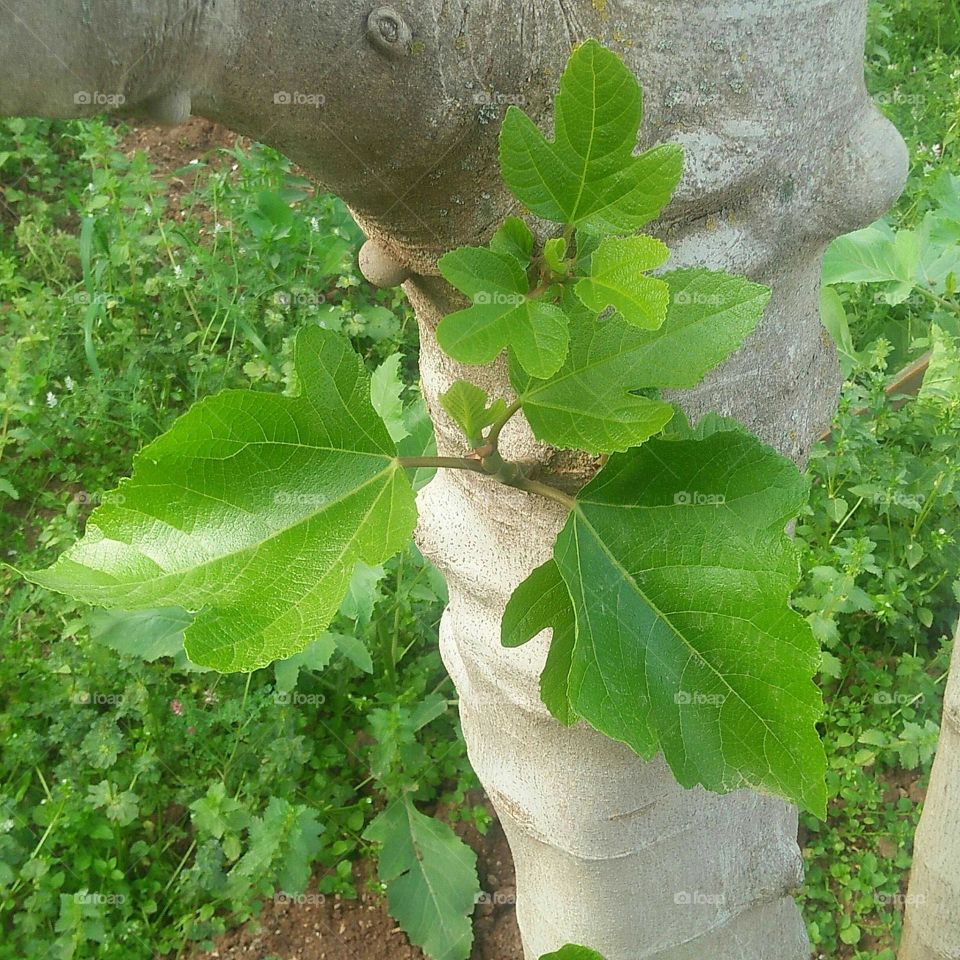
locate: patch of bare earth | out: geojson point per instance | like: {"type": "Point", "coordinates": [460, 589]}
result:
{"type": "Point", "coordinates": [316, 927]}
{"type": "Point", "coordinates": [172, 148]}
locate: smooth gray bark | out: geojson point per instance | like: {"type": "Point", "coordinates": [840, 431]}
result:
{"type": "Point", "coordinates": [931, 929]}
{"type": "Point", "coordinates": [785, 151]}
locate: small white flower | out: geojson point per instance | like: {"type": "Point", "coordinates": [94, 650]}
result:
{"type": "Point", "coordinates": [51, 399]}
{"type": "Point", "coordinates": [68, 383]}
{"type": "Point", "coordinates": [314, 224]}
{"type": "Point", "coordinates": [217, 227]}
{"type": "Point", "coordinates": [148, 210]}
{"type": "Point", "coordinates": [177, 270]}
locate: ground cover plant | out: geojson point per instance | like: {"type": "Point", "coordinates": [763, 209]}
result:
{"type": "Point", "coordinates": [118, 313]}
{"type": "Point", "coordinates": [144, 805]}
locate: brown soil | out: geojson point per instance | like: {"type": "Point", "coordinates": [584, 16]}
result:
{"type": "Point", "coordinates": [172, 148]}
{"type": "Point", "coordinates": [317, 927]}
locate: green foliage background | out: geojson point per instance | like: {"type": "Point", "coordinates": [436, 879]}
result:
{"type": "Point", "coordinates": [142, 807]}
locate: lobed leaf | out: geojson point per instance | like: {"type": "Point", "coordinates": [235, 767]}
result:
{"type": "Point", "coordinates": [314, 656]}
{"type": "Point", "coordinates": [679, 573]}
{"type": "Point", "coordinates": [588, 177]}
{"type": "Point", "coordinates": [471, 410]}
{"type": "Point", "coordinates": [386, 395]}
{"type": "Point", "coordinates": [572, 952]}
{"type": "Point", "coordinates": [554, 254]}
{"type": "Point", "coordinates": [148, 634]}
{"type": "Point", "coordinates": [590, 403]}
{"type": "Point", "coordinates": [875, 254]}
{"type": "Point", "coordinates": [542, 601]}
{"type": "Point", "coordinates": [942, 379]}
{"type": "Point", "coordinates": [514, 238]}
{"type": "Point", "coordinates": [419, 441]}
{"type": "Point", "coordinates": [502, 313]}
{"type": "Point", "coordinates": [617, 279]}
{"type": "Point", "coordinates": [251, 511]}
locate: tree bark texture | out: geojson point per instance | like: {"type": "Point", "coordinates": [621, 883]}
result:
{"type": "Point", "coordinates": [931, 929]}
{"type": "Point", "coordinates": [397, 109]}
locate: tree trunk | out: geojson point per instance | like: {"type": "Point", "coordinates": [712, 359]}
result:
{"type": "Point", "coordinates": [784, 152]}
{"type": "Point", "coordinates": [931, 928]}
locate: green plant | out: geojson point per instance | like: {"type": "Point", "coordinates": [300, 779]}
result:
{"type": "Point", "coordinates": [912, 267]}
{"type": "Point", "coordinates": [911, 68]}
{"type": "Point", "coordinates": [881, 559]}
{"type": "Point", "coordinates": [881, 554]}
{"type": "Point", "coordinates": [254, 508]}
{"type": "Point", "coordinates": [132, 785]}
{"type": "Point", "coordinates": [156, 792]}
{"type": "Point", "coordinates": [572, 952]}
{"type": "Point", "coordinates": [311, 483]}
{"type": "Point", "coordinates": [250, 294]}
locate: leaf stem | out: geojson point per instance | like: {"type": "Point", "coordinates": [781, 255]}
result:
{"type": "Point", "coordinates": [493, 435]}
{"type": "Point", "coordinates": [495, 467]}
{"type": "Point", "coordinates": [451, 463]}
{"type": "Point", "coordinates": [939, 301]}
{"type": "Point", "coordinates": [542, 490]}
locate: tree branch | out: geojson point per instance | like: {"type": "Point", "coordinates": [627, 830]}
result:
{"type": "Point", "coordinates": [450, 463]}
{"type": "Point", "coordinates": [496, 468]}
{"type": "Point", "coordinates": [493, 435]}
